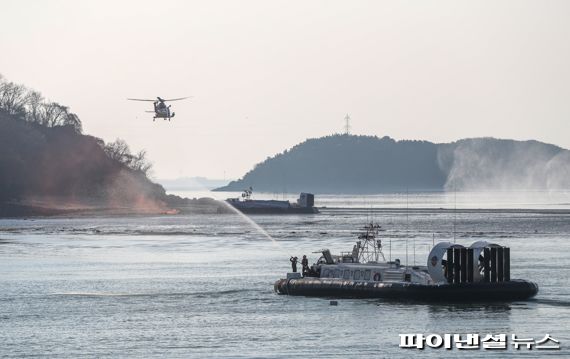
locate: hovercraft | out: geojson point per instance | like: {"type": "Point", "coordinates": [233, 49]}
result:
{"type": "Point", "coordinates": [453, 273]}
{"type": "Point", "coordinates": [305, 204]}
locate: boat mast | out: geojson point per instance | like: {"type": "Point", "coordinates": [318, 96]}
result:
{"type": "Point", "coordinates": [454, 210]}
{"type": "Point", "coordinates": [407, 230]}
{"type": "Point", "coordinates": [369, 248]}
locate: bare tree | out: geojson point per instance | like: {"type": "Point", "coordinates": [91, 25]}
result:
{"type": "Point", "coordinates": [35, 102]}
{"type": "Point", "coordinates": [13, 98]}
{"type": "Point", "coordinates": [140, 163]}
{"type": "Point", "coordinates": [73, 120]}
{"type": "Point", "coordinates": [53, 114]}
{"type": "Point", "coordinates": [29, 105]}
{"type": "Point", "coordinates": [119, 151]}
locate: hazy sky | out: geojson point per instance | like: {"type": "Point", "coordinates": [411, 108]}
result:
{"type": "Point", "coordinates": [266, 75]}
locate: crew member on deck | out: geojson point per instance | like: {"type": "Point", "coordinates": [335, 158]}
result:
{"type": "Point", "coordinates": [305, 264]}
{"type": "Point", "coordinates": [294, 263]}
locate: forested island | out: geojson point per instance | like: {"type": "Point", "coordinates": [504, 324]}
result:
{"type": "Point", "coordinates": [48, 166]}
{"type": "Point", "coordinates": [370, 164]}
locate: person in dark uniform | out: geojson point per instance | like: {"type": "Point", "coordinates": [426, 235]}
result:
{"type": "Point", "coordinates": [294, 263]}
{"type": "Point", "coordinates": [305, 264]}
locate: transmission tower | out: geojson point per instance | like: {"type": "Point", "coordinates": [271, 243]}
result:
{"type": "Point", "coordinates": [347, 124]}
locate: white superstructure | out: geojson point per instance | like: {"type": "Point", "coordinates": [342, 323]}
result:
{"type": "Point", "coordinates": [446, 263]}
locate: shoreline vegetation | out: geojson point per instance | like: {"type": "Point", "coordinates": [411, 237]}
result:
{"type": "Point", "coordinates": [49, 167]}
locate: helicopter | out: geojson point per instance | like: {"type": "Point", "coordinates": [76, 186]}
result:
{"type": "Point", "coordinates": [160, 108]}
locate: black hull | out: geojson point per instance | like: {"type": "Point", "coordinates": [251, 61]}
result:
{"type": "Point", "coordinates": [265, 210]}
{"type": "Point", "coordinates": [514, 290]}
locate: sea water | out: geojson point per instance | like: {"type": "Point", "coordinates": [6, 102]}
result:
{"type": "Point", "coordinates": [202, 285]}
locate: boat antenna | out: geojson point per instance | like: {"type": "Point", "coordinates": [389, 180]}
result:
{"type": "Point", "coordinates": [414, 246]}
{"type": "Point", "coordinates": [367, 210]}
{"type": "Point", "coordinates": [413, 239]}
{"type": "Point", "coordinates": [454, 210]}
{"type": "Point", "coordinates": [391, 222]}
{"type": "Point", "coordinates": [407, 232]}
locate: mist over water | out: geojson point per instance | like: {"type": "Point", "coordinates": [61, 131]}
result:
{"type": "Point", "coordinates": [485, 165]}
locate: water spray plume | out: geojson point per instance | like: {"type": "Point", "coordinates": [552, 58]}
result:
{"type": "Point", "coordinates": [253, 224]}
{"type": "Point", "coordinates": [250, 222]}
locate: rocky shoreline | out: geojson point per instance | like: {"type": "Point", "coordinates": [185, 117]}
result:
{"type": "Point", "coordinates": [174, 205]}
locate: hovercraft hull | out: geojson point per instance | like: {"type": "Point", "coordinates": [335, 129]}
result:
{"type": "Point", "coordinates": [514, 290]}
{"type": "Point", "coordinates": [275, 210]}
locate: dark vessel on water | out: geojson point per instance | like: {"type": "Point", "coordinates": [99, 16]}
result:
{"type": "Point", "coordinates": [305, 204]}
{"type": "Point", "coordinates": [478, 273]}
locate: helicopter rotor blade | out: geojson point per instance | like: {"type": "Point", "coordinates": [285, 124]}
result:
{"type": "Point", "coordinates": [177, 99]}
{"type": "Point", "coordinates": [139, 99]}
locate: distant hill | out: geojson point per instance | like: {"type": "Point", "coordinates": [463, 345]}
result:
{"type": "Point", "coordinates": [191, 183]}
{"type": "Point", "coordinates": [368, 164]}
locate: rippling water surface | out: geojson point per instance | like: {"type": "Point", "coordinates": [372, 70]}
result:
{"type": "Point", "coordinates": [202, 285]}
